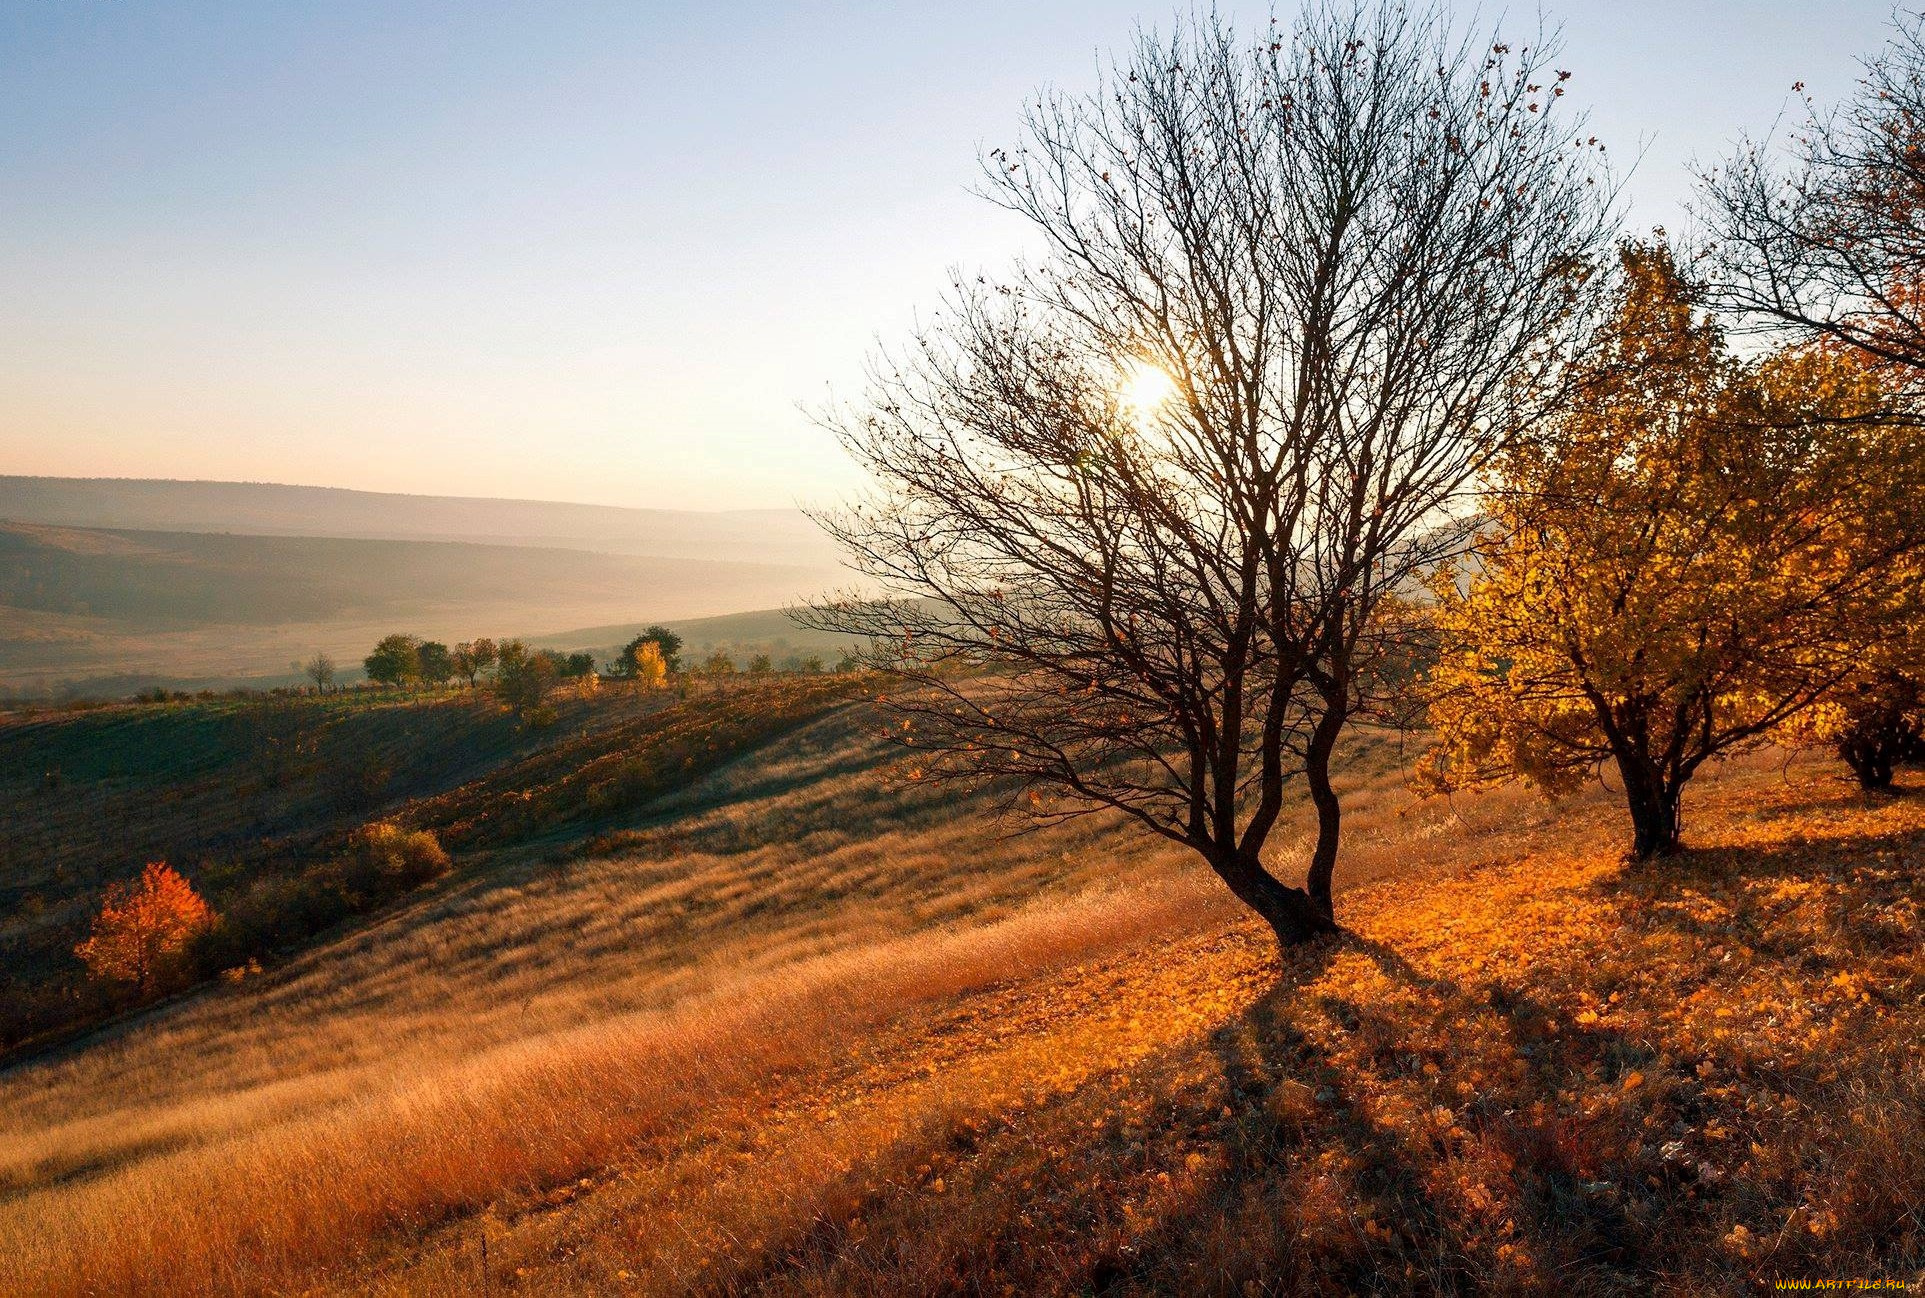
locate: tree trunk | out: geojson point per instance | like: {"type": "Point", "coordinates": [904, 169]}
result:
{"type": "Point", "coordinates": [1871, 763]}
{"type": "Point", "coordinates": [1654, 811]}
{"type": "Point", "coordinates": [1329, 817]}
{"type": "Point", "coordinates": [1293, 916]}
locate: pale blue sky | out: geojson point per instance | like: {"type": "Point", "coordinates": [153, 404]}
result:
{"type": "Point", "coordinates": [588, 251]}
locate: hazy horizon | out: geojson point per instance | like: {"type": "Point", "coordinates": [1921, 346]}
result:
{"type": "Point", "coordinates": [596, 254]}
{"type": "Point", "coordinates": [373, 491]}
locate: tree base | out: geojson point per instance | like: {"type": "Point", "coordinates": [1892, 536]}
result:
{"type": "Point", "coordinates": [1296, 919]}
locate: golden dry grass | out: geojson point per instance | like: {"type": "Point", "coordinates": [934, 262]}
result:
{"type": "Point", "coordinates": [820, 1034]}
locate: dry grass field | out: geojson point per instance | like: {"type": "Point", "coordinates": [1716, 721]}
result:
{"type": "Point", "coordinates": [804, 1029]}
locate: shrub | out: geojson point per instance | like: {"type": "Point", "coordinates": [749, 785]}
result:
{"type": "Point", "coordinates": [144, 928]}
{"type": "Point", "coordinates": [407, 856]}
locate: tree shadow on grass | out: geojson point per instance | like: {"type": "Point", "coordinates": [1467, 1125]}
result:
{"type": "Point", "coordinates": [1322, 1190]}
{"type": "Point", "coordinates": [1820, 904]}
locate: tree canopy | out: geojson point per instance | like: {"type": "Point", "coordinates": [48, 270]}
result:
{"type": "Point", "coordinates": [666, 641]}
{"type": "Point", "coordinates": [396, 660]}
{"type": "Point", "coordinates": [1826, 238]}
{"type": "Point", "coordinates": [1165, 483]}
{"type": "Point", "coordinates": [144, 927]}
{"type": "Point", "coordinates": [1696, 550]}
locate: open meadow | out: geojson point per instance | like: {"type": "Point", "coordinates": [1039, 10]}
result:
{"type": "Point", "coordinates": [805, 1026]}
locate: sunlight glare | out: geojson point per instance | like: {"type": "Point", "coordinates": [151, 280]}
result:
{"type": "Point", "coordinates": [1145, 388]}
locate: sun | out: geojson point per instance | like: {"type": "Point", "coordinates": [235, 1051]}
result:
{"type": "Point", "coordinates": [1145, 388]}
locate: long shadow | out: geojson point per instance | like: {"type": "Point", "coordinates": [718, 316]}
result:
{"type": "Point", "coordinates": [1602, 1196]}
{"type": "Point", "coordinates": [1291, 1100]}
{"type": "Point", "coordinates": [1757, 899]}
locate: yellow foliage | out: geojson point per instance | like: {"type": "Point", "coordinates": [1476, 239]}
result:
{"type": "Point", "coordinates": [651, 669]}
{"type": "Point", "coordinates": [1690, 556]}
{"type": "Point", "coordinates": [410, 855]}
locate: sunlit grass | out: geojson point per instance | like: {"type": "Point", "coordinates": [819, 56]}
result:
{"type": "Point", "coordinates": [822, 1032]}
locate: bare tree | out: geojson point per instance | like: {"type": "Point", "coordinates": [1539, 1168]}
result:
{"type": "Point", "coordinates": [1828, 239]}
{"type": "Point", "coordinates": [320, 670]}
{"type": "Point", "coordinates": [1143, 508]}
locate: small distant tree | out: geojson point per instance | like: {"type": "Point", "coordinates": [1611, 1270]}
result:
{"type": "Point", "coordinates": [396, 660]}
{"type": "Point", "coordinates": [462, 661]}
{"type": "Point", "coordinates": [320, 670]}
{"type": "Point", "coordinates": [523, 679]}
{"type": "Point", "coordinates": [760, 665]}
{"type": "Point", "coordinates": [434, 663]}
{"type": "Point", "coordinates": [473, 657]}
{"type": "Point", "coordinates": [650, 668]}
{"type": "Point", "coordinates": [578, 664]}
{"type": "Point", "coordinates": [671, 644]}
{"type": "Point", "coordinates": [719, 664]}
{"type": "Point", "coordinates": [666, 642]}
{"type": "Point", "coordinates": [144, 928]}
{"type": "Point", "coordinates": [811, 665]}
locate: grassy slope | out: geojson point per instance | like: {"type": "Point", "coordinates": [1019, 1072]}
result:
{"type": "Point", "coordinates": [815, 1034]}
{"type": "Point", "coordinates": [1530, 1069]}
{"type": "Point", "coordinates": [252, 799]}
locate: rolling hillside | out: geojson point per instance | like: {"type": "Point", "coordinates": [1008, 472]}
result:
{"type": "Point", "coordinates": [124, 608]}
{"type": "Point", "coordinates": [761, 536]}
{"type": "Point", "coordinates": [794, 1025]}
{"type": "Point", "coordinates": [257, 799]}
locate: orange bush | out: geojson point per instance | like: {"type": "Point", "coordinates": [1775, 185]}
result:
{"type": "Point", "coordinates": [143, 928]}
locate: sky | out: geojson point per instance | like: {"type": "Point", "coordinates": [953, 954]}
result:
{"type": "Point", "coordinates": [603, 252]}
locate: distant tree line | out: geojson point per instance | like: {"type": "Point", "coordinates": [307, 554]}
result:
{"type": "Point", "coordinates": [524, 678]}
{"type": "Point", "coordinates": [404, 660]}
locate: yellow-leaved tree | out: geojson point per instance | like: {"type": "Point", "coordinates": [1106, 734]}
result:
{"type": "Point", "coordinates": [1874, 718]}
{"type": "Point", "coordinates": [650, 667]}
{"type": "Point", "coordinates": [1697, 550]}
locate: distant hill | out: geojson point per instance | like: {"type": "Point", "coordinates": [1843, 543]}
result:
{"type": "Point", "coordinates": [272, 509]}
{"type": "Point", "coordinates": [769, 631]}
{"type": "Point", "coordinates": [117, 609]}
